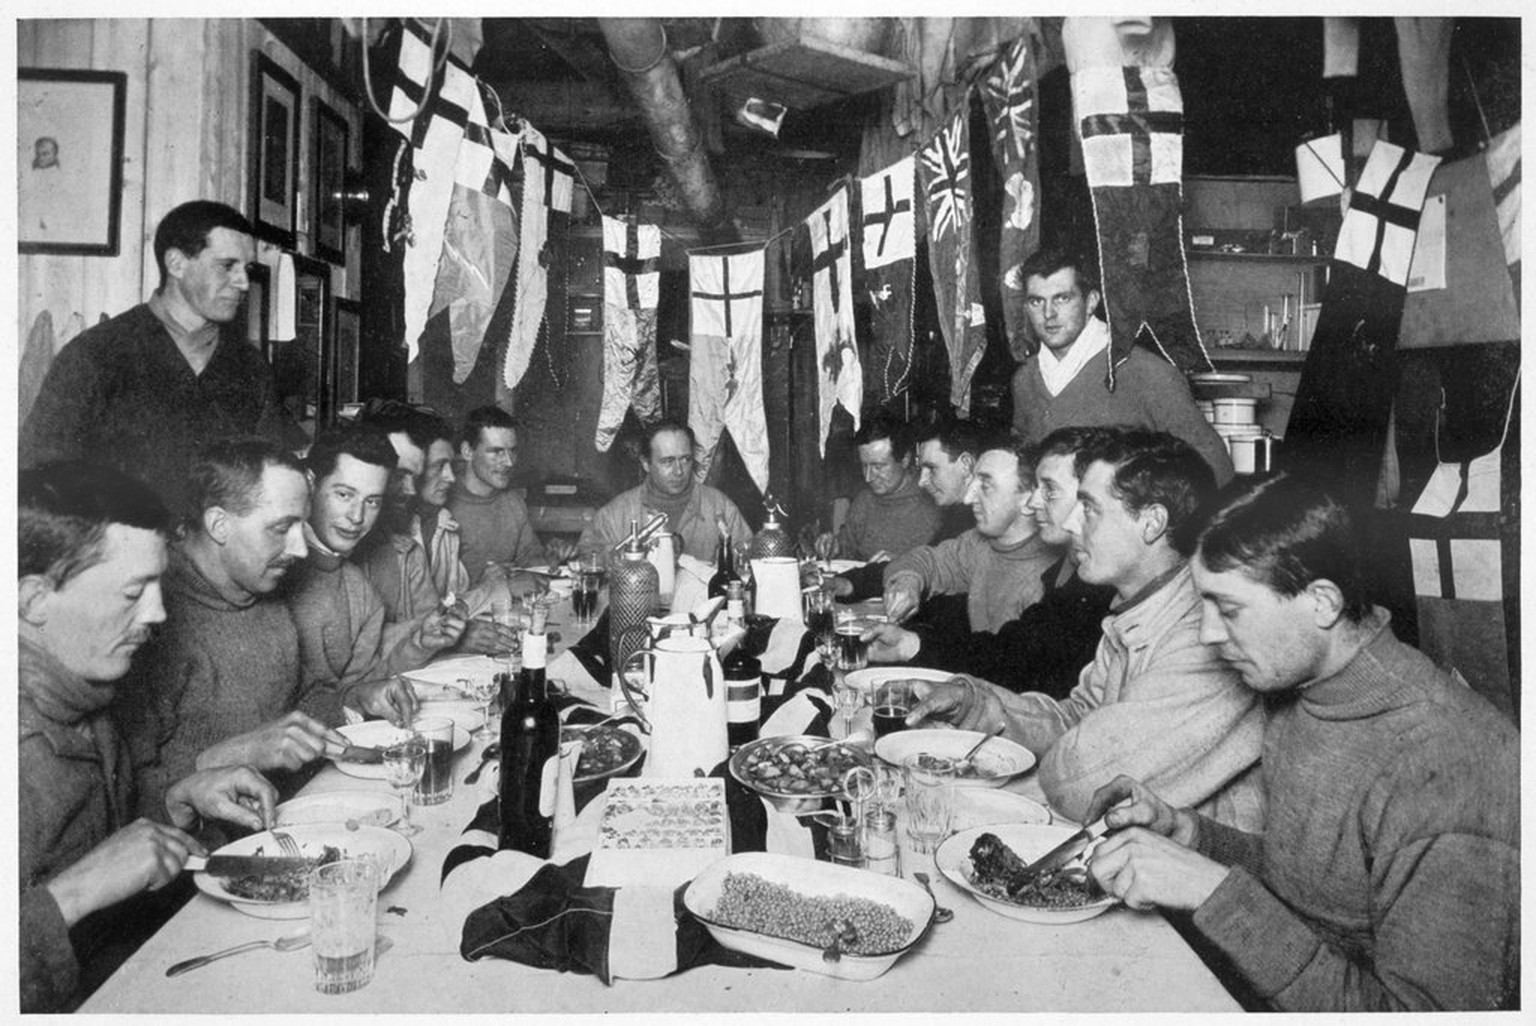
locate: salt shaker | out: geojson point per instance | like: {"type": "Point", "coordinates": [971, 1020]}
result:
{"type": "Point", "coordinates": [843, 847]}
{"type": "Point", "coordinates": [881, 851]}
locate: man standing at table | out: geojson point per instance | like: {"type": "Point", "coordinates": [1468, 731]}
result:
{"type": "Point", "coordinates": [693, 508]}
{"type": "Point", "coordinates": [1063, 384]}
{"type": "Point", "coordinates": [890, 514]}
{"type": "Point", "coordinates": [1156, 702]}
{"type": "Point", "coordinates": [219, 685]}
{"type": "Point", "coordinates": [142, 390]}
{"type": "Point", "coordinates": [91, 549]}
{"type": "Point", "coordinates": [494, 526]}
{"type": "Point", "coordinates": [346, 650]}
{"type": "Point", "coordinates": [1047, 646]}
{"type": "Point", "coordinates": [996, 565]}
{"type": "Point", "coordinates": [1387, 875]}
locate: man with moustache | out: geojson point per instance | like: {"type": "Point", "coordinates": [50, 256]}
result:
{"type": "Point", "coordinates": [220, 685]}
{"type": "Point", "coordinates": [494, 526]}
{"type": "Point", "coordinates": [143, 390]}
{"type": "Point", "coordinates": [1047, 646]}
{"type": "Point", "coordinates": [91, 551]}
{"type": "Point", "coordinates": [347, 651]}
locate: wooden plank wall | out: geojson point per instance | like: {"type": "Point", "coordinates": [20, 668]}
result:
{"type": "Point", "coordinates": [186, 136]}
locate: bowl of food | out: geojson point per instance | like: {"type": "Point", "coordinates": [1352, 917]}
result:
{"type": "Point", "coordinates": [817, 916]}
{"type": "Point", "coordinates": [606, 750]}
{"type": "Point", "coordinates": [795, 767]}
{"type": "Point", "coordinates": [993, 765]}
{"type": "Point", "coordinates": [286, 895]}
{"type": "Point", "coordinates": [987, 863]}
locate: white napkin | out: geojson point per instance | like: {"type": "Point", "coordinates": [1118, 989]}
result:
{"type": "Point", "coordinates": [557, 791]}
{"type": "Point", "coordinates": [643, 923]}
{"type": "Point", "coordinates": [778, 587]}
{"type": "Point", "coordinates": [691, 585]}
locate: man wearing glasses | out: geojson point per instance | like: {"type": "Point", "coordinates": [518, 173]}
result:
{"type": "Point", "coordinates": [1063, 384]}
{"type": "Point", "coordinates": [692, 507]}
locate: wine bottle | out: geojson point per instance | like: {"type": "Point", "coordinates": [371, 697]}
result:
{"type": "Point", "coordinates": [725, 566]}
{"type": "Point", "coordinates": [743, 697]}
{"type": "Point", "coordinates": [530, 737]}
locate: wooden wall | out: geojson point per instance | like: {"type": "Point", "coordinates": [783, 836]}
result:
{"type": "Point", "coordinates": [186, 136]}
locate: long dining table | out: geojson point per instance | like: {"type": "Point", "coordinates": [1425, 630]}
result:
{"type": "Point", "coordinates": [1121, 961]}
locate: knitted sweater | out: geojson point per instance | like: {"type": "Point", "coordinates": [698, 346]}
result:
{"type": "Point", "coordinates": [999, 581]}
{"type": "Point", "coordinates": [442, 549]}
{"type": "Point", "coordinates": [214, 670]}
{"type": "Point", "coordinates": [493, 529]}
{"type": "Point", "coordinates": [396, 566]}
{"type": "Point", "coordinates": [695, 525]}
{"type": "Point", "coordinates": [892, 523]}
{"type": "Point", "coordinates": [1387, 876]}
{"type": "Point", "coordinates": [1155, 704]}
{"type": "Point", "coordinates": [1149, 393]}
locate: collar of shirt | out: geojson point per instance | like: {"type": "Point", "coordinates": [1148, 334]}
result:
{"type": "Point", "coordinates": [202, 337]}
{"type": "Point", "coordinates": [1058, 372]}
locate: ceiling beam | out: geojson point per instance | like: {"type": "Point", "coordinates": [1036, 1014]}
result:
{"type": "Point", "coordinates": [566, 106]}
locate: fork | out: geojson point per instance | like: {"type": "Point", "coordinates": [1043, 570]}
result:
{"type": "Point", "coordinates": [279, 944]}
{"type": "Point", "coordinates": [286, 842]}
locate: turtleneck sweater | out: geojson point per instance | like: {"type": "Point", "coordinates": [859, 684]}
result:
{"type": "Point", "coordinates": [999, 581]}
{"type": "Point", "coordinates": [892, 523]}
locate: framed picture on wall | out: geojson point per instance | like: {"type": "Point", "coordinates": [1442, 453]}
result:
{"type": "Point", "coordinates": [302, 366]}
{"type": "Point", "coordinates": [274, 151]}
{"type": "Point", "coordinates": [328, 170]}
{"type": "Point", "coordinates": [69, 160]}
{"type": "Point", "coordinates": [349, 339]}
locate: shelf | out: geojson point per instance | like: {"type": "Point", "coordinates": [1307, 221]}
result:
{"type": "Point", "coordinates": [1221, 357]}
{"type": "Point", "coordinates": [1256, 258]}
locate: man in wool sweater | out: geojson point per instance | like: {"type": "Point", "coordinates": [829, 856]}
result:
{"type": "Point", "coordinates": [1156, 701]}
{"type": "Point", "coordinates": [219, 685]}
{"type": "Point", "coordinates": [494, 525]}
{"type": "Point", "coordinates": [1387, 875]}
{"type": "Point", "coordinates": [346, 649]}
{"type": "Point", "coordinates": [891, 513]}
{"type": "Point", "coordinates": [1063, 384]}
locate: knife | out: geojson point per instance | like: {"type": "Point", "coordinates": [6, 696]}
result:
{"type": "Point", "coordinates": [1066, 851]}
{"type": "Point", "coordinates": [229, 866]}
{"type": "Point", "coordinates": [352, 753]}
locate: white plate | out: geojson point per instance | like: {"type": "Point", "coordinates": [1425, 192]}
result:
{"type": "Point", "coordinates": [811, 878]}
{"type": "Point", "coordinates": [434, 682]}
{"type": "Point", "coordinates": [1029, 841]}
{"type": "Point", "coordinates": [390, 849]}
{"type": "Point", "coordinates": [842, 566]}
{"type": "Point", "coordinates": [866, 679]}
{"type": "Point", "coordinates": [377, 734]}
{"type": "Point", "coordinates": [368, 808]}
{"type": "Point", "coordinates": [984, 806]}
{"type": "Point", "coordinates": [998, 761]}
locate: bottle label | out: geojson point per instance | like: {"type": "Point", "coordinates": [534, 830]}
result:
{"type": "Point", "coordinates": [535, 651]}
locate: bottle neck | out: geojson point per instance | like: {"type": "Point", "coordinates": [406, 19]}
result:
{"type": "Point", "coordinates": [535, 652]}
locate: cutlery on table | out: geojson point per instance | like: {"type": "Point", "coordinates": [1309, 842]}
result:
{"type": "Point", "coordinates": [1069, 849]}
{"type": "Point", "coordinates": [280, 944]}
{"type": "Point", "coordinates": [353, 753]}
{"type": "Point", "coordinates": [228, 866]}
{"type": "Point", "coordinates": [492, 751]}
{"type": "Point", "coordinates": [940, 913]}
{"type": "Point", "coordinates": [966, 758]}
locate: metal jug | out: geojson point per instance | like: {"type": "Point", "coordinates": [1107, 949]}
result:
{"type": "Point", "coordinates": [682, 706]}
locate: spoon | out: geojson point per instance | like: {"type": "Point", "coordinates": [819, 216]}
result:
{"type": "Point", "coordinates": [843, 932]}
{"type": "Point", "coordinates": [492, 751]}
{"type": "Point", "coordinates": [280, 944]}
{"type": "Point", "coordinates": [977, 746]}
{"type": "Point", "coordinates": [940, 913]}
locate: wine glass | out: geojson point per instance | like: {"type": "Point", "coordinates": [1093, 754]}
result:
{"type": "Point", "coordinates": [483, 687]}
{"type": "Point", "coordinates": [848, 699]}
{"type": "Point", "coordinates": [404, 762]}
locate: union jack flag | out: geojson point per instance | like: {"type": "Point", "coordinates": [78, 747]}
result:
{"type": "Point", "coordinates": [947, 160]}
{"type": "Point", "coordinates": [1011, 88]}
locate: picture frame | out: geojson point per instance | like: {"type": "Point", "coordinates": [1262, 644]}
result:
{"type": "Point", "coordinates": [328, 172]}
{"type": "Point", "coordinates": [347, 316]}
{"type": "Point", "coordinates": [275, 141]}
{"type": "Point", "coordinates": [69, 160]}
{"type": "Point", "coordinates": [303, 367]}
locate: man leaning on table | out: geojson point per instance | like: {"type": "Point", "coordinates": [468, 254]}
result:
{"type": "Point", "coordinates": [91, 550]}
{"type": "Point", "coordinates": [1387, 875]}
{"type": "Point", "coordinates": [1156, 701]}
{"type": "Point", "coordinates": [494, 525]}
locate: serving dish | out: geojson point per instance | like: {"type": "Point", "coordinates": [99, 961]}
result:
{"type": "Point", "coordinates": [809, 752]}
{"type": "Point", "coordinates": [622, 747]}
{"type": "Point", "coordinates": [378, 734]}
{"type": "Point", "coordinates": [809, 878]}
{"type": "Point", "coordinates": [985, 806]}
{"type": "Point", "coordinates": [389, 849]}
{"type": "Point", "coordinates": [366, 808]}
{"type": "Point", "coordinates": [1029, 841]}
{"type": "Point", "coordinates": [994, 764]}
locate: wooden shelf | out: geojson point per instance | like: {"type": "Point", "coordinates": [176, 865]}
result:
{"type": "Point", "coordinates": [1223, 357]}
{"type": "Point", "coordinates": [1256, 258]}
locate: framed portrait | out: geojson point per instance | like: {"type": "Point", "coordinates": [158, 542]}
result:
{"type": "Point", "coordinates": [69, 160]}
{"type": "Point", "coordinates": [274, 151]}
{"type": "Point", "coordinates": [349, 339]}
{"type": "Point", "coordinates": [302, 366]}
{"type": "Point", "coordinates": [328, 171]}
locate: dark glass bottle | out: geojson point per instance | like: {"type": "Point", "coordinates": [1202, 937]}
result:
{"type": "Point", "coordinates": [743, 697]}
{"type": "Point", "coordinates": [725, 567]}
{"type": "Point", "coordinates": [530, 737]}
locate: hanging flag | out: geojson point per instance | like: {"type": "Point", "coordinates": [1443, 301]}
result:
{"type": "Point", "coordinates": [548, 175]}
{"type": "Point", "coordinates": [888, 246]}
{"type": "Point", "coordinates": [840, 378]}
{"type": "Point", "coordinates": [1008, 95]}
{"type": "Point", "coordinates": [1503, 157]}
{"type": "Point", "coordinates": [725, 367]}
{"type": "Point", "coordinates": [1338, 423]}
{"type": "Point", "coordinates": [945, 165]}
{"type": "Point", "coordinates": [1131, 121]}
{"type": "Point", "coordinates": [631, 284]}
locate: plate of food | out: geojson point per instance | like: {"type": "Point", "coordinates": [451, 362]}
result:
{"type": "Point", "coordinates": [607, 750]}
{"type": "Point", "coordinates": [381, 734]}
{"type": "Point", "coordinates": [794, 766]}
{"type": "Point", "coordinates": [994, 764]}
{"type": "Point", "coordinates": [363, 808]}
{"type": "Point", "coordinates": [286, 895]}
{"type": "Point", "coordinates": [868, 678]}
{"type": "Point", "coordinates": [984, 806]}
{"type": "Point", "coordinates": [987, 862]}
{"type": "Point", "coordinates": [439, 681]}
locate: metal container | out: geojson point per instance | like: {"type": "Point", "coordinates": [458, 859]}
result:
{"type": "Point", "coordinates": [772, 542]}
{"type": "Point", "coordinates": [633, 592]}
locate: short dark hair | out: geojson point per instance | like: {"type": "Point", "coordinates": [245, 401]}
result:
{"type": "Point", "coordinates": [660, 427]}
{"type": "Point", "coordinates": [879, 426]}
{"type": "Point", "coordinates": [64, 508]}
{"type": "Point", "coordinates": [482, 417]}
{"type": "Point", "coordinates": [419, 424]}
{"type": "Point", "coordinates": [1014, 445]}
{"type": "Point", "coordinates": [1065, 441]}
{"type": "Point", "coordinates": [226, 472]}
{"type": "Point", "coordinates": [1285, 532]}
{"type": "Point", "coordinates": [362, 442]}
{"type": "Point", "coordinates": [1152, 468]}
{"type": "Point", "coordinates": [186, 228]}
{"type": "Point", "coordinates": [1047, 260]}
{"type": "Point", "coordinates": [955, 436]}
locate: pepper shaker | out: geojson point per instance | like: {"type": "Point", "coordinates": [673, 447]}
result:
{"type": "Point", "coordinates": [882, 853]}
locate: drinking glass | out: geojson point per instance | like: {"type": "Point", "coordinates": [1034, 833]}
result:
{"type": "Point", "coordinates": [589, 583]}
{"type": "Point", "coordinates": [929, 781]}
{"type": "Point", "coordinates": [404, 761]}
{"type": "Point", "coordinates": [817, 607]}
{"type": "Point", "coordinates": [436, 783]}
{"type": "Point", "coordinates": [483, 687]}
{"type": "Point", "coordinates": [892, 702]}
{"type": "Point", "coordinates": [852, 650]}
{"type": "Point", "coordinates": [343, 904]}
{"type": "Point", "coordinates": [504, 613]}
{"type": "Point", "coordinates": [848, 699]}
